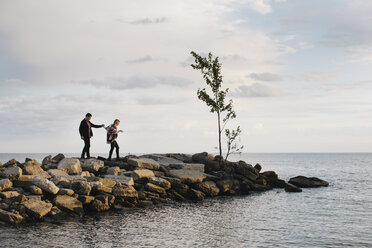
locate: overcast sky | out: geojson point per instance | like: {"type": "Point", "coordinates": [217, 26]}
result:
{"type": "Point", "coordinates": [299, 73]}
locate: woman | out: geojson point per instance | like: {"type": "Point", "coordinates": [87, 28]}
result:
{"type": "Point", "coordinates": [112, 134]}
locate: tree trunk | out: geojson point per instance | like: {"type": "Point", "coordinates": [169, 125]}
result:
{"type": "Point", "coordinates": [219, 132]}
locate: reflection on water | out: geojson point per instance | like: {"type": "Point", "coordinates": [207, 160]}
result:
{"type": "Point", "coordinates": [336, 216]}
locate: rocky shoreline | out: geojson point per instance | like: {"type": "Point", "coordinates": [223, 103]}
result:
{"type": "Point", "coordinates": [61, 187]}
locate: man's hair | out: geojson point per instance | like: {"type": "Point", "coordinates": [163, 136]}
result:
{"type": "Point", "coordinates": [88, 115]}
{"type": "Point", "coordinates": [116, 120]}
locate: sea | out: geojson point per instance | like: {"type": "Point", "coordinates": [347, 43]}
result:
{"type": "Point", "coordinates": [339, 215]}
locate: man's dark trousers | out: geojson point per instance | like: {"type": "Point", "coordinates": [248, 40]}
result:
{"type": "Point", "coordinates": [86, 147]}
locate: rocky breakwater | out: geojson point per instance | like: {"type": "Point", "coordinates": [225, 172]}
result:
{"type": "Point", "coordinates": [61, 187]}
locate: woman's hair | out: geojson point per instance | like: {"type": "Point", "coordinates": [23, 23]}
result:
{"type": "Point", "coordinates": [116, 120]}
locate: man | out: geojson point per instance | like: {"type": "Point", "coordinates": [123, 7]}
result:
{"type": "Point", "coordinates": [86, 133]}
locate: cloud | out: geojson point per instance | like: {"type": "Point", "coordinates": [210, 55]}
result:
{"type": "Point", "coordinates": [260, 6]}
{"type": "Point", "coordinates": [266, 76]}
{"type": "Point", "coordinates": [140, 60]}
{"type": "Point", "coordinates": [137, 82]}
{"type": "Point", "coordinates": [150, 21]}
{"type": "Point", "coordinates": [158, 100]}
{"type": "Point", "coordinates": [255, 90]}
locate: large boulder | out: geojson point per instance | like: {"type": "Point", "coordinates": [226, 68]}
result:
{"type": "Point", "coordinates": [92, 165]}
{"type": "Point", "coordinates": [69, 203]}
{"type": "Point", "coordinates": [120, 179]}
{"type": "Point", "coordinates": [160, 182]}
{"type": "Point", "coordinates": [186, 158]}
{"type": "Point", "coordinates": [70, 165]}
{"type": "Point", "coordinates": [9, 194]}
{"type": "Point", "coordinates": [202, 157]}
{"type": "Point", "coordinates": [246, 170]}
{"type": "Point", "coordinates": [37, 208]}
{"type": "Point", "coordinates": [307, 182]}
{"type": "Point", "coordinates": [11, 172]}
{"type": "Point", "coordinates": [125, 191]}
{"type": "Point", "coordinates": [23, 181]}
{"type": "Point", "coordinates": [10, 217]}
{"type": "Point", "coordinates": [57, 173]}
{"type": "Point", "coordinates": [81, 187]}
{"type": "Point", "coordinates": [45, 184]}
{"type": "Point", "coordinates": [187, 166]}
{"type": "Point", "coordinates": [144, 163]}
{"type": "Point", "coordinates": [154, 188]}
{"type": "Point", "coordinates": [143, 173]}
{"type": "Point", "coordinates": [225, 184]}
{"type": "Point", "coordinates": [34, 168]}
{"type": "Point", "coordinates": [292, 188]}
{"type": "Point", "coordinates": [188, 176]}
{"type": "Point", "coordinates": [5, 184]}
{"type": "Point", "coordinates": [59, 157]}
{"type": "Point", "coordinates": [209, 188]}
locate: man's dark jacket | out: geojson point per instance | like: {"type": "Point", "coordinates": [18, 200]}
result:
{"type": "Point", "coordinates": [84, 129]}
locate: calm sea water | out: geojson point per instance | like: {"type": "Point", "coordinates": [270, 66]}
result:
{"type": "Point", "coordinates": [336, 216]}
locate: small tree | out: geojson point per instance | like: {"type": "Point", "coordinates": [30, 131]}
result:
{"type": "Point", "coordinates": [211, 70]}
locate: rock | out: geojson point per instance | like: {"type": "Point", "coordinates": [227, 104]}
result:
{"type": "Point", "coordinates": [121, 179]}
{"type": "Point", "coordinates": [143, 173]}
{"type": "Point", "coordinates": [125, 191]}
{"type": "Point", "coordinates": [63, 191]}
{"type": "Point", "coordinates": [35, 190]}
{"type": "Point", "coordinates": [177, 196]}
{"type": "Point", "coordinates": [188, 176]}
{"type": "Point", "coordinates": [99, 206]}
{"type": "Point", "coordinates": [161, 182]}
{"type": "Point", "coordinates": [37, 208]}
{"type": "Point", "coordinates": [184, 166]}
{"type": "Point", "coordinates": [12, 163]}
{"type": "Point", "coordinates": [12, 172]}
{"type": "Point", "coordinates": [69, 203]}
{"type": "Point", "coordinates": [47, 160]}
{"type": "Point", "coordinates": [34, 168]}
{"type": "Point", "coordinates": [100, 189]}
{"type": "Point", "coordinates": [10, 217]}
{"type": "Point", "coordinates": [163, 160]}
{"type": "Point", "coordinates": [258, 167]}
{"type": "Point", "coordinates": [113, 171]}
{"type": "Point", "coordinates": [57, 173]}
{"type": "Point", "coordinates": [81, 187]}
{"type": "Point", "coordinates": [45, 184]}
{"type": "Point", "coordinates": [270, 174]}
{"type": "Point", "coordinates": [144, 163]}
{"type": "Point", "coordinates": [154, 188]}
{"type": "Point", "coordinates": [85, 174]}
{"type": "Point", "coordinates": [92, 165]}
{"type": "Point", "coordinates": [246, 170]}
{"type": "Point", "coordinates": [186, 158]}
{"type": "Point", "coordinates": [275, 183]}
{"type": "Point", "coordinates": [200, 157]}
{"type": "Point", "coordinates": [58, 157]}
{"type": "Point", "coordinates": [196, 195]}
{"type": "Point", "coordinates": [209, 188]}
{"type": "Point", "coordinates": [292, 188]}
{"type": "Point", "coordinates": [212, 165]}
{"type": "Point", "coordinates": [225, 185]}
{"type": "Point", "coordinates": [23, 181]}
{"type": "Point", "coordinates": [105, 181]}
{"type": "Point", "coordinates": [56, 213]}
{"type": "Point", "coordinates": [8, 194]}
{"type": "Point", "coordinates": [85, 199]}
{"type": "Point", "coordinates": [70, 165]}
{"type": "Point", "coordinates": [307, 182]}
{"type": "Point", "coordinates": [5, 184]}
{"type": "Point", "coordinates": [178, 185]}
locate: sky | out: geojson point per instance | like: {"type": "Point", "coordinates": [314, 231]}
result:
{"type": "Point", "coordinates": [299, 74]}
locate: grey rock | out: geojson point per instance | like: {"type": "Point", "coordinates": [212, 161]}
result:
{"type": "Point", "coordinates": [196, 195]}
{"type": "Point", "coordinates": [225, 185]}
{"type": "Point", "coordinates": [120, 179]}
{"type": "Point", "coordinates": [184, 166]}
{"type": "Point", "coordinates": [63, 191]}
{"type": "Point", "coordinates": [81, 187]}
{"type": "Point", "coordinates": [292, 188]}
{"type": "Point", "coordinates": [154, 188]}
{"type": "Point", "coordinates": [57, 173]}
{"type": "Point", "coordinates": [307, 182]}
{"type": "Point", "coordinates": [58, 157]}
{"type": "Point", "coordinates": [125, 191]}
{"type": "Point", "coordinates": [70, 165]}
{"type": "Point", "coordinates": [45, 184]}
{"type": "Point", "coordinates": [12, 172]}
{"type": "Point", "coordinates": [92, 165]}
{"type": "Point", "coordinates": [246, 170]}
{"type": "Point", "coordinates": [5, 184]}
{"type": "Point", "coordinates": [9, 194]}
{"type": "Point", "coordinates": [144, 163]}
{"type": "Point", "coordinates": [188, 176]}
{"type": "Point", "coordinates": [113, 171]}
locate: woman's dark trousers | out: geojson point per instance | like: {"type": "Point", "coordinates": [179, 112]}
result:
{"type": "Point", "coordinates": [114, 144]}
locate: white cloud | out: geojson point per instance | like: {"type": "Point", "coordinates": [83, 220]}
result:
{"type": "Point", "coordinates": [266, 76]}
{"type": "Point", "coordinates": [255, 90]}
